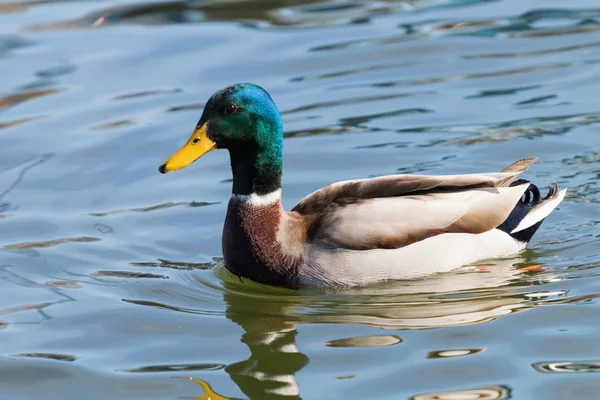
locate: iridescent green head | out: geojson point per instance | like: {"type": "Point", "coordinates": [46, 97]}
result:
{"type": "Point", "coordinates": [243, 119]}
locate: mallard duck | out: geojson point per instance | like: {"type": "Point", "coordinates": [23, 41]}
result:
{"type": "Point", "coordinates": [360, 231]}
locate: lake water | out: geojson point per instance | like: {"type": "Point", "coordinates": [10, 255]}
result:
{"type": "Point", "coordinates": [111, 279]}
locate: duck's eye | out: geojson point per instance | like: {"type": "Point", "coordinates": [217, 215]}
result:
{"type": "Point", "coordinates": [230, 109]}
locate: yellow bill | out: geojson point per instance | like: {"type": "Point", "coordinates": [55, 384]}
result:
{"type": "Point", "coordinates": [197, 145]}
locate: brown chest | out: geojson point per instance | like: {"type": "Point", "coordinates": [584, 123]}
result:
{"type": "Point", "coordinates": [252, 245]}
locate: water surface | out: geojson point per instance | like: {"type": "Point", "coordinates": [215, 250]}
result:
{"type": "Point", "coordinates": [111, 282]}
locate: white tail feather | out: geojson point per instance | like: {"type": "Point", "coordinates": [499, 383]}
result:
{"type": "Point", "coordinates": [540, 212]}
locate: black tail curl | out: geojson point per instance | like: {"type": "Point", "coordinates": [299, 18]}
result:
{"type": "Point", "coordinates": [531, 199]}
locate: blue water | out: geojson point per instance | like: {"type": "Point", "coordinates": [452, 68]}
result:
{"type": "Point", "coordinates": [111, 279]}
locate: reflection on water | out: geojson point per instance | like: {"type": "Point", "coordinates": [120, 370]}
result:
{"type": "Point", "coordinates": [270, 371]}
{"type": "Point", "coordinates": [58, 357]}
{"type": "Point", "coordinates": [49, 243]}
{"type": "Point", "coordinates": [453, 353]}
{"type": "Point", "coordinates": [209, 393]}
{"type": "Point", "coordinates": [568, 366]}
{"type": "Point", "coordinates": [15, 99]}
{"type": "Point", "coordinates": [263, 13]}
{"type": "Point", "coordinates": [366, 341]}
{"type": "Point", "coordinates": [176, 368]}
{"type": "Point", "coordinates": [484, 393]}
{"type": "Point", "coordinates": [153, 208]}
{"type": "Point", "coordinates": [270, 318]}
{"type": "Point", "coordinates": [316, 13]}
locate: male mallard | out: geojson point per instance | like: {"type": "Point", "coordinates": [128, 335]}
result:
{"type": "Point", "coordinates": [360, 231]}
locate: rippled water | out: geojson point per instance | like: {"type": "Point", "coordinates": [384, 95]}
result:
{"type": "Point", "coordinates": [111, 283]}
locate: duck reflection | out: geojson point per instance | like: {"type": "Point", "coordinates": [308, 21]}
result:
{"type": "Point", "coordinates": [270, 316]}
{"type": "Point", "coordinates": [269, 372]}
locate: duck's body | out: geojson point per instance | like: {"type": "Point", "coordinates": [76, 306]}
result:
{"type": "Point", "coordinates": [354, 232]}
{"type": "Point", "coordinates": [395, 227]}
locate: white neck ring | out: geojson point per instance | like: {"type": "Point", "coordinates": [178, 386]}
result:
{"type": "Point", "coordinates": [258, 199]}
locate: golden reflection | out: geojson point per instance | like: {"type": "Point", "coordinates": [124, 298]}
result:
{"type": "Point", "coordinates": [50, 243]}
{"type": "Point", "coordinates": [19, 121]}
{"type": "Point", "coordinates": [17, 98]}
{"type": "Point", "coordinates": [13, 7]}
{"type": "Point", "coordinates": [113, 125]}
{"type": "Point", "coordinates": [209, 393]}
{"type": "Point", "coordinates": [64, 284]}
{"type": "Point", "coordinates": [25, 307]}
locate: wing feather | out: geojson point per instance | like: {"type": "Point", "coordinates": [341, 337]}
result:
{"type": "Point", "coordinates": [401, 221]}
{"type": "Point", "coordinates": [398, 210]}
{"type": "Point", "coordinates": [401, 185]}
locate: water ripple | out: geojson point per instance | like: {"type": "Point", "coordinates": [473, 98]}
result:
{"type": "Point", "coordinates": [48, 356]}
{"type": "Point", "coordinates": [354, 100]}
{"type": "Point", "coordinates": [176, 368]}
{"type": "Point", "coordinates": [12, 100]}
{"type": "Point", "coordinates": [454, 353]}
{"type": "Point", "coordinates": [568, 367]}
{"type": "Point", "coordinates": [529, 53]}
{"type": "Point", "coordinates": [357, 121]}
{"type": "Point", "coordinates": [536, 23]}
{"type": "Point", "coordinates": [19, 121]}
{"type": "Point", "coordinates": [27, 307]}
{"type": "Point", "coordinates": [113, 125]}
{"type": "Point", "coordinates": [127, 275]}
{"type": "Point", "coordinates": [179, 265]}
{"type": "Point", "coordinates": [483, 393]}
{"type": "Point", "coordinates": [50, 243]}
{"type": "Point", "coordinates": [169, 307]}
{"type": "Point", "coordinates": [66, 284]}
{"type": "Point", "coordinates": [463, 77]}
{"type": "Point", "coordinates": [145, 93]}
{"type": "Point", "coordinates": [528, 128]}
{"type": "Point", "coordinates": [366, 341]}
{"type": "Point", "coordinates": [531, 24]}
{"type": "Point", "coordinates": [257, 14]}
{"type": "Point", "coordinates": [153, 208]}
{"type": "Point", "coordinates": [501, 92]}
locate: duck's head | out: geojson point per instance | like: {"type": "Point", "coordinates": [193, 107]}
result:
{"type": "Point", "coordinates": [241, 118]}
